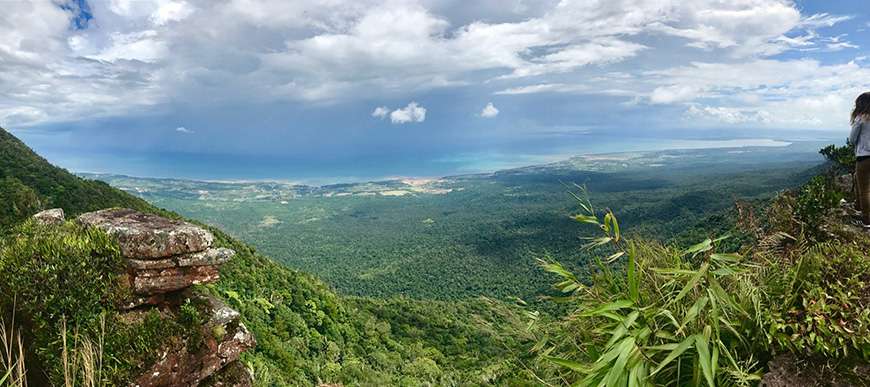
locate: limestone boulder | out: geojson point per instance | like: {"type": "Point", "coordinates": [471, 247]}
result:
{"type": "Point", "coordinates": [52, 216]}
{"type": "Point", "coordinates": [145, 236]}
{"type": "Point", "coordinates": [845, 183]}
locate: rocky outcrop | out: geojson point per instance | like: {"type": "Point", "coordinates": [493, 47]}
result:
{"type": "Point", "coordinates": [164, 258]}
{"type": "Point", "coordinates": [52, 216]}
{"type": "Point", "coordinates": [162, 255]}
{"type": "Point", "coordinates": [223, 339]}
{"type": "Point", "coordinates": [233, 375]}
{"type": "Point", "coordinates": [146, 236]}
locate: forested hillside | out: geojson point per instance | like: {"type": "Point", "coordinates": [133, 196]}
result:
{"type": "Point", "coordinates": [29, 182]}
{"type": "Point", "coordinates": [464, 236]}
{"type": "Point", "coordinates": [306, 333]}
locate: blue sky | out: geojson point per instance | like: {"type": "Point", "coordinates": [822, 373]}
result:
{"type": "Point", "coordinates": [357, 88]}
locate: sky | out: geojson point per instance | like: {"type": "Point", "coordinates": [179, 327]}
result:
{"type": "Point", "coordinates": [354, 89]}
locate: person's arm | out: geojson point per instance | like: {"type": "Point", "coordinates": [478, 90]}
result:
{"type": "Point", "coordinates": [856, 132]}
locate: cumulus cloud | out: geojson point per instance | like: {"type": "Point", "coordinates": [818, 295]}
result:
{"type": "Point", "coordinates": [778, 94]}
{"type": "Point", "coordinates": [411, 113]}
{"type": "Point", "coordinates": [171, 11]}
{"type": "Point", "coordinates": [184, 130]}
{"type": "Point", "coordinates": [147, 54]}
{"type": "Point", "coordinates": [489, 111]}
{"type": "Point", "coordinates": [381, 112]}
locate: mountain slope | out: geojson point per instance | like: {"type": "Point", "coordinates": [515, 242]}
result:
{"type": "Point", "coordinates": [307, 334]}
{"type": "Point", "coordinates": [25, 174]}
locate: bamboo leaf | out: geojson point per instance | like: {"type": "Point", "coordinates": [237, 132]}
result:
{"type": "Point", "coordinates": [724, 298]}
{"type": "Point", "coordinates": [598, 242]}
{"type": "Point", "coordinates": [613, 257]}
{"type": "Point", "coordinates": [714, 360]}
{"type": "Point", "coordinates": [556, 268]}
{"type": "Point", "coordinates": [633, 378]}
{"type": "Point", "coordinates": [626, 348]}
{"type": "Point", "coordinates": [692, 283]}
{"type": "Point", "coordinates": [682, 347]}
{"type": "Point", "coordinates": [572, 365]}
{"type": "Point", "coordinates": [670, 316]}
{"type": "Point", "coordinates": [704, 246]}
{"type": "Point", "coordinates": [662, 347]}
{"type": "Point", "coordinates": [703, 350]}
{"type": "Point", "coordinates": [586, 219]}
{"type": "Point", "coordinates": [622, 327]}
{"type": "Point", "coordinates": [608, 307]}
{"type": "Point", "coordinates": [608, 356]}
{"type": "Point", "coordinates": [614, 226]}
{"type": "Point", "coordinates": [674, 271]}
{"type": "Point", "coordinates": [693, 312]}
{"type": "Point", "coordinates": [730, 258]}
{"type": "Point", "coordinates": [721, 238]}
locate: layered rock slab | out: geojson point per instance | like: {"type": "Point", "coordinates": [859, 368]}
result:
{"type": "Point", "coordinates": [146, 236]}
{"type": "Point", "coordinates": [157, 276]}
{"type": "Point", "coordinates": [162, 255]}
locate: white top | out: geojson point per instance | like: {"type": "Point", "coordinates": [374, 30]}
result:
{"type": "Point", "coordinates": [860, 136]}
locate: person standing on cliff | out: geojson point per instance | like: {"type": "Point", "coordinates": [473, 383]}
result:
{"type": "Point", "coordinates": [860, 139]}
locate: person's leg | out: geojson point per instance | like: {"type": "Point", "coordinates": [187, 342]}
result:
{"type": "Point", "coordinates": [862, 177]}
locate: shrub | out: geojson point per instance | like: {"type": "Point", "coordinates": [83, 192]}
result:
{"type": "Point", "coordinates": [814, 201]}
{"type": "Point", "coordinates": [19, 202]}
{"type": "Point", "coordinates": [59, 276]}
{"type": "Point", "coordinates": [820, 305]}
{"type": "Point", "coordinates": [661, 316]}
{"type": "Point", "coordinates": [842, 157]}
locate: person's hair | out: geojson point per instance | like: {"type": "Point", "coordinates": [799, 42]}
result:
{"type": "Point", "coordinates": [862, 107]}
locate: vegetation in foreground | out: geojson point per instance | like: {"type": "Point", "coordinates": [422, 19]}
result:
{"type": "Point", "coordinates": [653, 314]}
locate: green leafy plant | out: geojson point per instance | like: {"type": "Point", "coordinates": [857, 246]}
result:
{"type": "Point", "coordinates": [190, 318]}
{"type": "Point", "coordinates": [842, 157]}
{"type": "Point", "coordinates": [821, 304]}
{"type": "Point", "coordinates": [813, 202]}
{"type": "Point", "coordinates": [656, 315]}
{"type": "Point", "coordinates": [69, 276]}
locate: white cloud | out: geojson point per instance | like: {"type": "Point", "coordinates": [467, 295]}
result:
{"type": "Point", "coordinates": [171, 11]}
{"type": "Point", "coordinates": [381, 112]}
{"type": "Point", "coordinates": [141, 45]}
{"type": "Point", "coordinates": [820, 20]}
{"type": "Point", "coordinates": [778, 94]}
{"type": "Point", "coordinates": [184, 130]}
{"type": "Point", "coordinates": [144, 55]}
{"type": "Point", "coordinates": [489, 111]}
{"type": "Point", "coordinates": [411, 113]}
